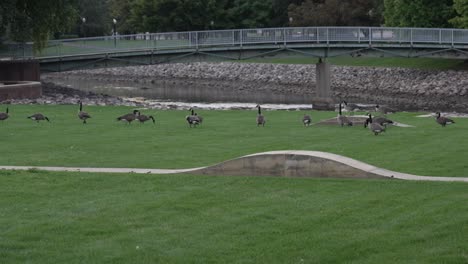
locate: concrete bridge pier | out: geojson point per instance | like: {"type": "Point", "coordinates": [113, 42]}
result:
{"type": "Point", "coordinates": [322, 79]}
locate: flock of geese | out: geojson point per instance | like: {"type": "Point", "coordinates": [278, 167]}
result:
{"type": "Point", "coordinates": [376, 125]}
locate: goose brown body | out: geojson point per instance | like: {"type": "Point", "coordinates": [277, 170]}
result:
{"type": "Point", "coordinates": [38, 117]}
{"type": "Point", "coordinates": [343, 120]}
{"type": "Point", "coordinates": [4, 116]}
{"type": "Point", "coordinates": [192, 119]}
{"type": "Point", "coordinates": [375, 127]}
{"type": "Point", "coordinates": [83, 115]}
{"type": "Point", "coordinates": [144, 118]}
{"type": "Point", "coordinates": [128, 117]}
{"type": "Point", "coordinates": [443, 121]}
{"type": "Point", "coordinates": [261, 120]}
{"type": "Point", "coordinates": [306, 120]}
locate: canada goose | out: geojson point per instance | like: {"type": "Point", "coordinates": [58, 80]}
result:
{"type": "Point", "coordinates": [443, 120]}
{"type": "Point", "coordinates": [4, 116]}
{"type": "Point", "coordinates": [383, 121]}
{"type": "Point", "coordinates": [38, 117]}
{"type": "Point", "coordinates": [343, 120]}
{"type": "Point", "coordinates": [261, 120]}
{"type": "Point", "coordinates": [376, 128]}
{"type": "Point", "coordinates": [384, 109]}
{"type": "Point", "coordinates": [144, 118]}
{"type": "Point", "coordinates": [306, 120]}
{"type": "Point", "coordinates": [350, 107]}
{"type": "Point", "coordinates": [128, 117]}
{"type": "Point", "coordinates": [83, 115]}
{"type": "Point", "coordinates": [200, 118]}
{"type": "Point", "coordinates": [192, 119]}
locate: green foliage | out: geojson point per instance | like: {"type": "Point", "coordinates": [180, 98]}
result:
{"type": "Point", "coordinates": [36, 20]}
{"type": "Point", "coordinates": [130, 218]}
{"type": "Point", "coordinates": [336, 13]}
{"type": "Point", "coordinates": [98, 21]}
{"type": "Point", "coordinates": [172, 15]}
{"type": "Point", "coordinates": [121, 10]}
{"type": "Point", "coordinates": [187, 15]}
{"type": "Point", "coordinates": [418, 13]}
{"type": "Point", "coordinates": [461, 20]}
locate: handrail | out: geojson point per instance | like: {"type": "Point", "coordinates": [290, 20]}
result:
{"type": "Point", "coordinates": [433, 37]}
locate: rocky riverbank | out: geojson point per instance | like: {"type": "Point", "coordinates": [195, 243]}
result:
{"type": "Point", "coordinates": [404, 89]}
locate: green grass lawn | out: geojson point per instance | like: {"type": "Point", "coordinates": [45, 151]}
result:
{"type": "Point", "coordinates": [427, 149]}
{"type": "Point", "coordinates": [99, 45]}
{"type": "Point", "coordinates": [417, 63]}
{"type": "Point", "coordinates": [116, 218]}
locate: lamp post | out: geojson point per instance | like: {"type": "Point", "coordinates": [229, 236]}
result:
{"type": "Point", "coordinates": [114, 21]}
{"type": "Point", "coordinates": [83, 32]}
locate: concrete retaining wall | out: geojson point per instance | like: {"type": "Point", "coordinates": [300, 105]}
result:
{"type": "Point", "coordinates": [19, 90]}
{"type": "Point", "coordinates": [27, 70]}
{"type": "Point", "coordinates": [286, 165]}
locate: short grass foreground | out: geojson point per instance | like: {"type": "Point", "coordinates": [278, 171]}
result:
{"type": "Point", "coordinates": [427, 149]}
{"type": "Point", "coordinates": [117, 218]}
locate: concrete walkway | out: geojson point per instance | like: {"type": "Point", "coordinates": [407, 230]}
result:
{"type": "Point", "coordinates": [291, 163]}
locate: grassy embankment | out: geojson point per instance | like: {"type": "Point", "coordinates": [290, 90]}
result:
{"type": "Point", "coordinates": [427, 149]}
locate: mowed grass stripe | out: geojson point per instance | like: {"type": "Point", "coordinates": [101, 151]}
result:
{"type": "Point", "coordinates": [112, 218]}
{"type": "Point", "coordinates": [427, 149]}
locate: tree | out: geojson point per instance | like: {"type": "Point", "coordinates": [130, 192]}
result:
{"type": "Point", "coordinates": [36, 20]}
{"type": "Point", "coordinates": [96, 13]}
{"type": "Point", "coordinates": [335, 13]}
{"type": "Point", "coordinates": [186, 15]}
{"type": "Point", "coordinates": [418, 13]}
{"type": "Point", "coordinates": [461, 20]}
{"type": "Point", "coordinates": [121, 11]}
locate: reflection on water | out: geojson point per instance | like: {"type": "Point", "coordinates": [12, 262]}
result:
{"type": "Point", "coordinates": [181, 91]}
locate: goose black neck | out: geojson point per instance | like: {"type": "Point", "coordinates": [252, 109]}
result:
{"type": "Point", "coordinates": [259, 110]}
{"type": "Point", "coordinates": [339, 112]}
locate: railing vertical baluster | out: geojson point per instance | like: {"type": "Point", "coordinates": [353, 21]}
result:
{"type": "Point", "coordinates": [317, 35]}
{"type": "Point", "coordinates": [452, 39]}
{"type": "Point", "coordinates": [328, 37]}
{"type": "Point", "coordinates": [411, 37]}
{"type": "Point", "coordinates": [284, 36]}
{"type": "Point", "coordinates": [440, 36]}
{"type": "Point", "coordinates": [241, 37]}
{"type": "Point", "coordinates": [196, 40]}
{"type": "Point", "coordinates": [370, 35]}
{"type": "Point", "coordinates": [359, 34]}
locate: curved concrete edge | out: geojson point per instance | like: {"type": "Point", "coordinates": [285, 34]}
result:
{"type": "Point", "coordinates": [286, 163]}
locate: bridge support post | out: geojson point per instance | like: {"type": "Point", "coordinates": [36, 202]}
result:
{"type": "Point", "coordinates": [322, 80]}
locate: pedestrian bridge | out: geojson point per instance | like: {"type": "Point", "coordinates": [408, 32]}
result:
{"type": "Point", "coordinates": [244, 44]}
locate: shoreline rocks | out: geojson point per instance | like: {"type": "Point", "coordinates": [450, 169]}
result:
{"type": "Point", "coordinates": [404, 89]}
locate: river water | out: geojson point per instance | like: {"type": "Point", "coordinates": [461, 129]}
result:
{"type": "Point", "coordinates": [185, 91]}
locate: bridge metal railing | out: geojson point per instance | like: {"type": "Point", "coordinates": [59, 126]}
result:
{"type": "Point", "coordinates": [239, 38]}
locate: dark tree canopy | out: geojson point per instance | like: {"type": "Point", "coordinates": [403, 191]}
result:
{"type": "Point", "coordinates": [418, 13]}
{"type": "Point", "coordinates": [96, 13]}
{"type": "Point", "coordinates": [336, 13]}
{"type": "Point", "coordinates": [36, 20]}
{"type": "Point", "coordinates": [461, 19]}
